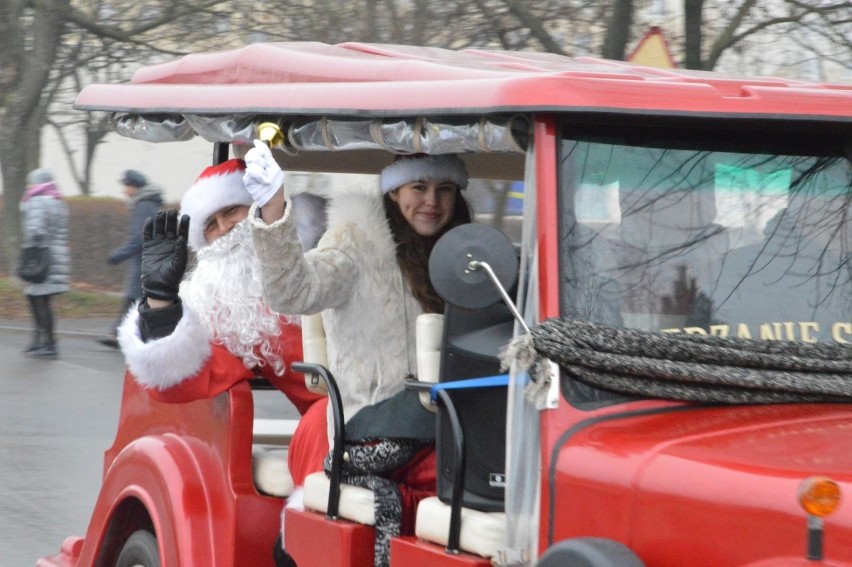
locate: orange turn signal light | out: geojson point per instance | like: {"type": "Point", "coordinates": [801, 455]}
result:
{"type": "Point", "coordinates": [819, 496]}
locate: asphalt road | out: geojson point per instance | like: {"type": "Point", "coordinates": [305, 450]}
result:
{"type": "Point", "coordinates": [57, 417]}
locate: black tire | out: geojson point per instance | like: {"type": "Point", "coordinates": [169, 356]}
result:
{"type": "Point", "coordinates": [140, 550]}
{"type": "Point", "coordinates": [590, 552]}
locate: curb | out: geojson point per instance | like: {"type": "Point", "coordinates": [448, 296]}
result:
{"type": "Point", "coordinates": [93, 328]}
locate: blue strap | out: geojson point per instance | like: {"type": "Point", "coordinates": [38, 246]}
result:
{"type": "Point", "coordinates": [484, 382]}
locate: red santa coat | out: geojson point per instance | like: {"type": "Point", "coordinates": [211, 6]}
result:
{"type": "Point", "coordinates": [187, 366]}
{"type": "Point", "coordinates": [222, 370]}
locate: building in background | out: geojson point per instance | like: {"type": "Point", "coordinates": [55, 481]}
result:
{"type": "Point", "coordinates": [653, 50]}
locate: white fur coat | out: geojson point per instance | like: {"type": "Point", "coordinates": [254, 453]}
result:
{"type": "Point", "coordinates": [353, 278]}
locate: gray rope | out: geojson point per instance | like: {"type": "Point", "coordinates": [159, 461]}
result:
{"type": "Point", "coordinates": [687, 367]}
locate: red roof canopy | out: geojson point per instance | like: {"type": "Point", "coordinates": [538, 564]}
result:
{"type": "Point", "coordinates": [357, 79]}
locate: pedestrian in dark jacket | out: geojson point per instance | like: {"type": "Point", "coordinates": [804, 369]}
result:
{"type": "Point", "coordinates": [44, 216]}
{"type": "Point", "coordinates": [145, 200]}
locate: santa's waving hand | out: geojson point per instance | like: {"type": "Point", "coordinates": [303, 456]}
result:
{"type": "Point", "coordinates": [164, 255]}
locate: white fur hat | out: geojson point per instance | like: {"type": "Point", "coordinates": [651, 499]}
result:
{"type": "Point", "coordinates": [423, 167]}
{"type": "Point", "coordinates": [217, 187]}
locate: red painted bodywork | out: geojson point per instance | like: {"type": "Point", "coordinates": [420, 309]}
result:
{"type": "Point", "coordinates": [366, 79]}
{"type": "Point", "coordinates": [185, 470]}
{"type": "Point", "coordinates": [411, 551]}
{"type": "Point", "coordinates": [715, 484]}
{"type": "Point", "coordinates": [546, 215]}
{"type": "Point", "coordinates": [679, 485]}
{"type": "Point", "coordinates": [314, 540]}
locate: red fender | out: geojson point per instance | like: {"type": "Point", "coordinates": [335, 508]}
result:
{"type": "Point", "coordinates": [192, 512]}
{"type": "Point", "coordinates": [187, 467]}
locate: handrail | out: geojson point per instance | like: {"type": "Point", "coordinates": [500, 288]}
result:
{"type": "Point", "coordinates": [441, 391]}
{"type": "Point", "coordinates": [338, 435]}
{"type": "Point", "coordinates": [459, 455]}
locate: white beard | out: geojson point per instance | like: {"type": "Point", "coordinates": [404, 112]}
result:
{"type": "Point", "coordinates": [225, 290]}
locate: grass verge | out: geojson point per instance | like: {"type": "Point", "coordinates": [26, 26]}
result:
{"type": "Point", "coordinates": [80, 302]}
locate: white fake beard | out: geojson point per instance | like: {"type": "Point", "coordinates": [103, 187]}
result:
{"type": "Point", "coordinates": [225, 290]}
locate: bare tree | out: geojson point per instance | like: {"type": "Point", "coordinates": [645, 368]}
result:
{"type": "Point", "coordinates": [29, 39]}
{"type": "Point", "coordinates": [693, 39]}
{"type": "Point", "coordinates": [756, 26]}
{"type": "Point", "coordinates": [710, 30]}
{"type": "Point", "coordinates": [618, 34]}
{"type": "Point", "coordinates": [50, 49]}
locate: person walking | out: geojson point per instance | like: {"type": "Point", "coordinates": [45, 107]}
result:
{"type": "Point", "coordinates": [145, 200]}
{"type": "Point", "coordinates": [44, 218]}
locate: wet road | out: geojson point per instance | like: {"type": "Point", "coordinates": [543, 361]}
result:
{"type": "Point", "coordinates": [57, 417]}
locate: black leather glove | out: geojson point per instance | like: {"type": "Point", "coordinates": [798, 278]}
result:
{"type": "Point", "coordinates": [164, 254]}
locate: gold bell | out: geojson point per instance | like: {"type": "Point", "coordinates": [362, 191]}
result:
{"type": "Point", "coordinates": [270, 134]}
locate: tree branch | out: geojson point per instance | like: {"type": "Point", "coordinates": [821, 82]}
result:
{"type": "Point", "coordinates": [725, 39]}
{"type": "Point", "coordinates": [535, 26]}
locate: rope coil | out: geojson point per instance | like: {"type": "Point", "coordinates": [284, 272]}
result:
{"type": "Point", "coordinates": [695, 368]}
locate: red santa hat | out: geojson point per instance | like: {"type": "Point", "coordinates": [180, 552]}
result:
{"type": "Point", "coordinates": [217, 187]}
{"type": "Point", "coordinates": [423, 167]}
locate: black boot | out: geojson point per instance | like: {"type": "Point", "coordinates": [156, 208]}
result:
{"type": "Point", "coordinates": [109, 340]}
{"type": "Point", "coordinates": [36, 344]}
{"type": "Point", "coordinates": [48, 350]}
{"type": "Point", "coordinates": [45, 318]}
{"type": "Point", "coordinates": [38, 324]}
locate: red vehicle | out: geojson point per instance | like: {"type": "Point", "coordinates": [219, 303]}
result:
{"type": "Point", "coordinates": [690, 202]}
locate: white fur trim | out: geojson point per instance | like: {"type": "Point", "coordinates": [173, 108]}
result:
{"type": "Point", "coordinates": [168, 361]}
{"type": "Point", "coordinates": [421, 168]}
{"type": "Point", "coordinates": [296, 500]}
{"type": "Point", "coordinates": [218, 187]}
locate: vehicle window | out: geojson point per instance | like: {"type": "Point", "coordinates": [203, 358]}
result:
{"type": "Point", "coordinates": [732, 243]}
{"type": "Point", "coordinates": [499, 204]}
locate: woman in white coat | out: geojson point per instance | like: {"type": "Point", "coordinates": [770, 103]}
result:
{"type": "Point", "coordinates": [368, 276]}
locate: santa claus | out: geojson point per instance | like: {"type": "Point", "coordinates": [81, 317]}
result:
{"type": "Point", "coordinates": [196, 337]}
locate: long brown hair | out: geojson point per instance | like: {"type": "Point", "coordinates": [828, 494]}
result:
{"type": "Point", "coordinates": [412, 250]}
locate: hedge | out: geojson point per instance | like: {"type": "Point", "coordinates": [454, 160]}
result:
{"type": "Point", "coordinates": [97, 226]}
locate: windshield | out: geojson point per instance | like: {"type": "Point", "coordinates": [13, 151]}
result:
{"type": "Point", "coordinates": [732, 243]}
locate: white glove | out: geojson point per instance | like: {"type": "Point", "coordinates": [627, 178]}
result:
{"type": "Point", "coordinates": [263, 177]}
